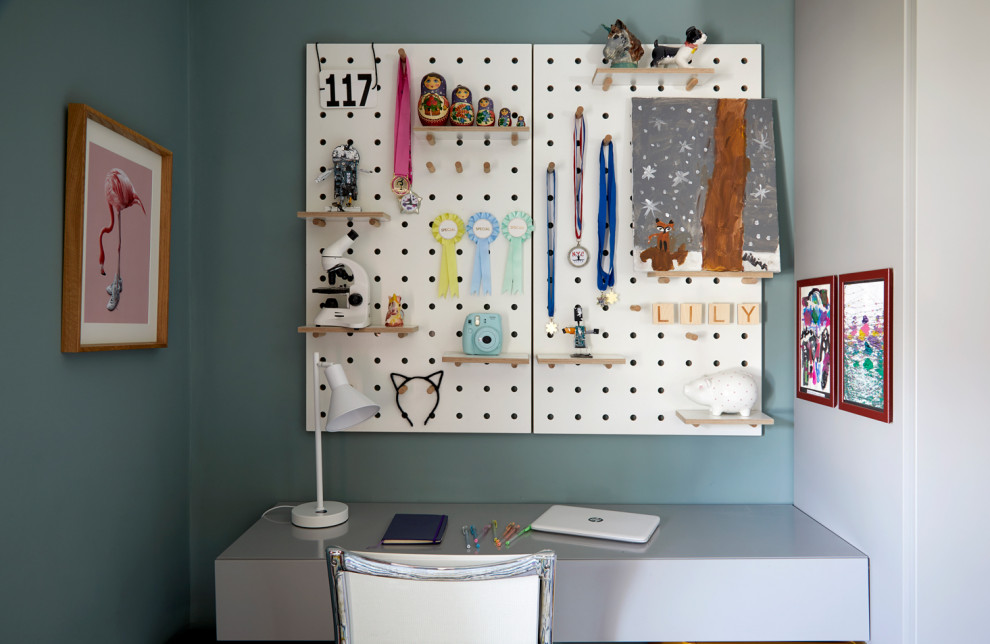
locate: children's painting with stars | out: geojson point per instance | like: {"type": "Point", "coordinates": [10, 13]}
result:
{"type": "Point", "coordinates": [704, 185]}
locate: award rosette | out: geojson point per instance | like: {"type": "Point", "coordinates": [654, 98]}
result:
{"type": "Point", "coordinates": [517, 227]}
{"type": "Point", "coordinates": [448, 229]}
{"type": "Point", "coordinates": [482, 229]}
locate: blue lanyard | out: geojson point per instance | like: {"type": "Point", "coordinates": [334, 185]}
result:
{"type": "Point", "coordinates": [606, 218]}
{"type": "Point", "coordinates": [551, 237]}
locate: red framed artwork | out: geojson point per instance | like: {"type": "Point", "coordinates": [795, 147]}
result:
{"type": "Point", "coordinates": [118, 194]}
{"type": "Point", "coordinates": [866, 361]}
{"type": "Point", "coordinates": [816, 306]}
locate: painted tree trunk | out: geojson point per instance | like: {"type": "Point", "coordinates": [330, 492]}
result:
{"type": "Point", "coordinates": [721, 223]}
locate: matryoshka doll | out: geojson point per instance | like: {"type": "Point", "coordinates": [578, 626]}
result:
{"type": "Point", "coordinates": [486, 112]}
{"type": "Point", "coordinates": [505, 117]}
{"type": "Point", "coordinates": [461, 107]}
{"type": "Point", "coordinates": [433, 108]}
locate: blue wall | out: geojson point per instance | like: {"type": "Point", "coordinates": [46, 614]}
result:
{"type": "Point", "coordinates": [127, 473]}
{"type": "Point", "coordinates": [94, 463]}
{"type": "Point", "coordinates": [248, 361]}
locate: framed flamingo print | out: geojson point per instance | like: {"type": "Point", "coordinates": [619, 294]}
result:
{"type": "Point", "coordinates": [866, 361]}
{"type": "Point", "coordinates": [118, 187]}
{"type": "Point", "coordinates": [816, 340]}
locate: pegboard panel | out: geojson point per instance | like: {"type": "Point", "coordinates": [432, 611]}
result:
{"type": "Point", "coordinates": [642, 395]}
{"type": "Point", "coordinates": [401, 256]}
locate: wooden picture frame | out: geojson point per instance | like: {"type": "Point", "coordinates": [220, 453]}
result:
{"type": "Point", "coordinates": [816, 360]}
{"type": "Point", "coordinates": [866, 363]}
{"type": "Point", "coordinates": [118, 195]}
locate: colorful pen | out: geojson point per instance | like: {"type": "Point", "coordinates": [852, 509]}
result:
{"type": "Point", "coordinates": [467, 537]}
{"type": "Point", "coordinates": [508, 544]}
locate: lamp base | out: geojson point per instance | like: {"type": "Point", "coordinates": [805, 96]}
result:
{"type": "Point", "coordinates": [305, 515]}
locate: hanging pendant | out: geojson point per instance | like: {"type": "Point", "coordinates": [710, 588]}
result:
{"type": "Point", "coordinates": [409, 203]}
{"type": "Point", "coordinates": [551, 328]}
{"type": "Point", "coordinates": [578, 256]}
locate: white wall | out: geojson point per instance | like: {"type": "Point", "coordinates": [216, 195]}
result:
{"type": "Point", "coordinates": [953, 530]}
{"type": "Point", "coordinates": [849, 216]}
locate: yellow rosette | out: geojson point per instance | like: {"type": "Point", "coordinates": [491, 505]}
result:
{"type": "Point", "coordinates": [448, 229]}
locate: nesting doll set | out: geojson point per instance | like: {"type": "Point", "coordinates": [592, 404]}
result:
{"type": "Point", "coordinates": [435, 109]}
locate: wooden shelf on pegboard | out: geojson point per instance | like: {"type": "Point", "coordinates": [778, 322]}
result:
{"type": "Point", "coordinates": [317, 331]}
{"type": "Point", "coordinates": [552, 360]}
{"type": "Point", "coordinates": [320, 218]}
{"type": "Point", "coordinates": [689, 77]}
{"type": "Point", "coordinates": [748, 277]}
{"type": "Point", "coordinates": [698, 417]}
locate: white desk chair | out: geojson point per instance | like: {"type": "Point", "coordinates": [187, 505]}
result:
{"type": "Point", "coordinates": [438, 599]}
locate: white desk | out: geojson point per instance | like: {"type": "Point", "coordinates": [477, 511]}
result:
{"type": "Point", "coordinates": [710, 573]}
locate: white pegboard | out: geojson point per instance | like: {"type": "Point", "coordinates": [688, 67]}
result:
{"type": "Point", "coordinates": [401, 256]}
{"type": "Point", "coordinates": [641, 396]}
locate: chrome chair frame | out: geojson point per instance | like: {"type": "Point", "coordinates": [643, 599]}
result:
{"type": "Point", "coordinates": [541, 563]}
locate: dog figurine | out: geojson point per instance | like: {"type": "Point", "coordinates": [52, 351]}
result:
{"type": "Point", "coordinates": [680, 56]}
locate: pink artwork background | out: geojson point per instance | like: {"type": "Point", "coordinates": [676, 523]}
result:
{"type": "Point", "coordinates": [135, 247]}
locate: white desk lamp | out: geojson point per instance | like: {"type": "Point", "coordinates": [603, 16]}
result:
{"type": "Point", "coordinates": [348, 407]}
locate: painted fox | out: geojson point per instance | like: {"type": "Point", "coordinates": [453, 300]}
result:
{"type": "Point", "coordinates": [662, 237]}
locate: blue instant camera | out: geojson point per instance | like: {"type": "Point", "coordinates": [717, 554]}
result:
{"type": "Point", "coordinates": [482, 335]}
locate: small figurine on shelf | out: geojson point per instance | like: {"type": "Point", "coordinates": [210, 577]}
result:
{"type": "Point", "coordinates": [393, 317]}
{"type": "Point", "coordinates": [461, 107]}
{"type": "Point", "coordinates": [579, 331]}
{"type": "Point", "coordinates": [680, 56]}
{"type": "Point", "coordinates": [521, 122]}
{"type": "Point", "coordinates": [345, 160]}
{"type": "Point", "coordinates": [622, 48]}
{"type": "Point", "coordinates": [433, 107]}
{"type": "Point", "coordinates": [486, 112]}
{"type": "Point", "coordinates": [505, 117]}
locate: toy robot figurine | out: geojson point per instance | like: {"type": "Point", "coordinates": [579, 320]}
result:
{"type": "Point", "coordinates": [579, 331]}
{"type": "Point", "coordinates": [345, 170]}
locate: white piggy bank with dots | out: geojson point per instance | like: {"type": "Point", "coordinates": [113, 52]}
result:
{"type": "Point", "coordinates": [731, 392]}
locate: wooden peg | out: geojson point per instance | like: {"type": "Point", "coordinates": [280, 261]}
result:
{"type": "Point", "coordinates": [488, 167]}
{"type": "Point", "coordinates": [691, 336]}
{"type": "Point", "coordinates": [458, 167]}
{"type": "Point", "coordinates": [635, 307]}
{"type": "Point", "coordinates": [402, 53]}
{"type": "Point", "coordinates": [432, 388]}
{"type": "Point", "coordinates": [579, 112]}
{"type": "Point", "coordinates": [320, 222]}
{"type": "Point", "coordinates": [514, 365]}
{"type": "Point", "coordinates": [607, 140]}
{"type": "Point", "coordinates": [456, 364]}
{"type": "Point", "coordinates": [402, 335]}
{"type": "Point", "coordinates": [750, 280]}
{"type": "Point", "coordinates": [403, 389]}
{"type": "Point", "coordinates": [429, 166]}
{"type": "Point", "coordinates": [375, 222]}
{"type": "Point", "coordinates": [691, 83]}
{"type": "Point", "coordinates": [432, 140]}
{"type": "Point", "coordinates": [318, 335]}
{"type": "Point", "coordinates": [552, 365]}
{"type": "Point", "coordinates": [551, 166]}
{"type": "Point", "coordinates": [663, 280]}
{"type": "Point", "coordinates": [606, 83]}
{"type": "Point", "coordinates": [515, 138]}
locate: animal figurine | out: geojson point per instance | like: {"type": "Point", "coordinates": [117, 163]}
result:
{"type": "Point", "coordinates": [504, 117]}
{"type": "Point", "coordinates": [393, 317]}
{"type": "Point", "coordinates": [680, 56]}
{"type": "Point", "coordinates": [461, 106]}
{"type": "Point", "coordinates": [486, 112]}
{"type": "Point", "coordinates": [622, 48]}
{"type": "Point", "coordinates": [728, 391]}
{"type": "Point", "coordinates": [433, 106]}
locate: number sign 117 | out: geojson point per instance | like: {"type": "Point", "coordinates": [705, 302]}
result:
{"type": "Point", "coordinates": [347, 89]}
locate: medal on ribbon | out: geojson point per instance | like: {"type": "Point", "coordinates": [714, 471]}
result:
{"type": "Point", "coordinates": [517, 227]}
{"type": "Point", "coordinates": [448, 229]}
{"type": "Point", "coordinates": [402, 152]}
{"type": "Point", "coordinates": [482, 229]}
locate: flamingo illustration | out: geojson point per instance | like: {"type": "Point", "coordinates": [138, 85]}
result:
{"type": "Point", "coordinates": [120, 195]}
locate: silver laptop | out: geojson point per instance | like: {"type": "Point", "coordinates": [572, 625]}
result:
{"type": "Point", "coordinates": [599, 524]}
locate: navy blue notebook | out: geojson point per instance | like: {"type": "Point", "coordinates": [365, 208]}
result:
{"type": "Point", "coordinates": [415, 528]}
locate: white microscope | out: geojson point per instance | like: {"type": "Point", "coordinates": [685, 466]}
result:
{"type": "Point", "coordinates": [347, 286]}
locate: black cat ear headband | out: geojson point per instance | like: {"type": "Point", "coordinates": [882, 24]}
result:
{"type": "Point", "coordinates": [401, 383]}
